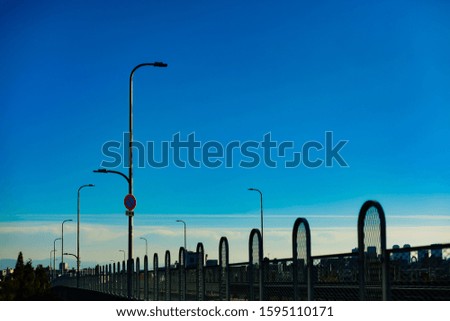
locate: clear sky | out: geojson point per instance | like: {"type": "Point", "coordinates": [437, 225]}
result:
{"type": "Point", "coordinates": [375, 74]}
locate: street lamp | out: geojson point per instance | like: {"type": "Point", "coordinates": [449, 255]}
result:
{"type": "Point", "coordinates": [54, 259]}
{"type": "Point", "coordinates": [262, 216]}
{"type": "Point", "coordinates": [71, 255]}
{"type": "Point", "coordinates": [184, 223]}
{"type": "Point", "coordinates": [106, 171]}
{"type": "Point", "coordinates": [130, 165]}
{"type": "Point", "coordinates": [51, 270]}
{"type": "Point", "coordinates": [146, 247]}
{"type": "Point", "coordinates": [129, 178]}
{"type": "Point", "coordinates": [123, 254]}
{"type": "Point", "coordinates": [78, 231]}
{"type": "Point", "coordinates": [62, 245]}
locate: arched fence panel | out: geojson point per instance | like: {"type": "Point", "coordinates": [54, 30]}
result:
{"type": "Point", "coordinates": [167, 277]}
{"type": "Point", "coordinates": [373, 262]}
{"type": "Point", "coordinates": [146, 278]}
{"type": "Point", "coordinates": [255, 266]}
{"type": "Point", "coordinates": [224, 269]}
{"type": "Point", "coordinates": [182, 274]}
{"type": "Point", "coordinates": [301, 260]}
{"type": "Point", "coordinates": [138, 279]}
{"type": "Point", "coordinates": [200, 275]}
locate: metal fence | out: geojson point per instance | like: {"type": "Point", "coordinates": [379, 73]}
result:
{"type": "Point", "coordinates": [369, 272]}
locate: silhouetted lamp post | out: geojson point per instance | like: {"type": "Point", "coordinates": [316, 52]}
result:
{"type": "Point", "coordinates": [146, 247]}
{"type": "Point", "coordinates": [62, 245]}
{"type": "Point", "coordinates": [130, 171]}
{"type": "Point", "coordinates": [184, 223]}
{"type": "Point", "coordinates": [262, 216]}
{"type": "Point", "coordinates": [52, 269]}
{"type": "Point", "coordinates": [54, 256]}
{"type": "Point", "coordinates": [78, 231]}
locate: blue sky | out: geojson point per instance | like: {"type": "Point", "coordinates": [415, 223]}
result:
{"type": "Point", "coordinates": [375, 74]}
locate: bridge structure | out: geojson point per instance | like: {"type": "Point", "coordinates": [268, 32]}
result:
{"type": "Point", "coordinates": [369, 272]}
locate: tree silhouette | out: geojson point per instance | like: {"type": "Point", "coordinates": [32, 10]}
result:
{"type": "Point", "coordinates": [25, 283]}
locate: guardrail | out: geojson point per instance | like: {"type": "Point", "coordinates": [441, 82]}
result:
{"type": "Point", "coordinates": [370, 272]}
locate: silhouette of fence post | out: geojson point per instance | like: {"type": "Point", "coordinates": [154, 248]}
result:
{"type": "Point", "coordinates": [168, 287]}
{"type": "Point", "coordinates": [182, 275]}
{"type": "Point", "coordinates": [113, 279]}
{"type": "Point", "coordinates": [373, 261]}
{"type": "Point", "coordinates": [155, 278]}
{"type": "Point", "coordinates": [138, 278]}
{"type": "Point", "coordinates": [131, 275]}
{"type": "Point", "coordinates": [255, 267]}
{"type": "Point", "coordinates": [200, 279]}
{"type": "Point", "coordinates": [301, 257]}
{"type": "Point", "coordinates": [224, 273]}
{"type": "Point", "coordinates": [123, 279]}
{"type": "Point", "coordinates": [146, 277]}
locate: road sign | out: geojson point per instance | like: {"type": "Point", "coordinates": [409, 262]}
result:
{"type": "Point", "coordinates": [130, 202]}
{"type": "Point", "coordinates": [129, 213]}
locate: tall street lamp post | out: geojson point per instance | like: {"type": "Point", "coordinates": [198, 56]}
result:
{"type": "Point", "coordinates": [130, 166]}
{"type": "Point", "coordinates": [51, 269]}
{"type": "Point", "coordinates": [78, 232]}
{"type": "Point", "coordinates": [54, 256]}
{"type": "Point", "coordinates": [146, 245]}
{"type": "Point", "coordinates": [62, 245]}
{"type": "Point", "coordinates": [262, 216]}
{"type": "Point", "coordinates": [130, 214]}
{"type": "Point", "coordinates": [184, 223]}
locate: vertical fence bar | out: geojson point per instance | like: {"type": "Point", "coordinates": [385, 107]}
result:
{"type": "Point", "coordinates": [155, 278]}
{"type": "Point", "coordinates": [138, 278]}
{"type": "Point", "coordinates": [182, 274]}
{"type": "Point", "coordinates": [301, 256]}
{"type": "Point", "coordinates": [133, 275]}
{"type": "Point", "coordinates": [146, 277]}
{"type": "Point", "coordinates": [168, 286]}
{"type": "Point", "coordinates": [255, 266]}
{"type": "Point", "coordinates": [224, 273]}
{"type": "Point", "coordinates": [200, 279]}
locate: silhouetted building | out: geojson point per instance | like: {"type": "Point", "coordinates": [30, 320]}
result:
{"type": "Point", "coordinates": [406, 255]}
{"type": "Point", "coordinates": [436, 251]}
{"type": "Point", "coordinates": [396, 256]}
{"type": "Point", "coordinates": [372, 252]}
{"type": "Point", "coordinates": [422, 255]}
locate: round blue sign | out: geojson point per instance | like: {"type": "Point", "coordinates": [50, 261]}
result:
{"type": "Point", "coordinates": [130, 202]}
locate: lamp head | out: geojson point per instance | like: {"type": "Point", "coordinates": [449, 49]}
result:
{"type": "Point", "coordinates": [159, 64]}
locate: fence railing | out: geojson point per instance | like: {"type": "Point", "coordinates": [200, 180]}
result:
{"type": "Point", "coordinates": [369, 272]}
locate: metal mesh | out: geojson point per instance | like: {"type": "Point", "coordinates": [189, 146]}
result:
{"type": "Point", "coordinates": [372, 252]}
{"type": "Point", "coordinates": [278, 280]}
{"type": "Point", "coordinates": [223, 270]}
{"type": "Point", "coordinates": [255, 267]}
{"type": "Point", "coordinates": [336, 277]}
{"type": "Point", "coordinates": [420, 273]}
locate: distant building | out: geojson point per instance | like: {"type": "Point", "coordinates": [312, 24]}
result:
{"type": "Point", "coordinates": [406, 255]}
{"type": "Point", "coordinates": [422, 255]}
{"type": "Point", "coordinates": [396, 256]}
{"type": "Point", "coordinates": [372, 252]}
{"type": "Point", "coordinates": [7, 271]}
{"type": "Point", "coordinates": [66, 266]}
{"type": "Point", "coordinates": [436, 251]}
